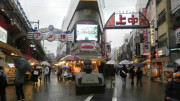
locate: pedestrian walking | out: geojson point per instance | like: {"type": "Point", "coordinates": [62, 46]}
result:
{"type": "Point", "coordinates": [19, 81]}
{"type": "Point", "coordinates": [3, 84]}
{"type": "Point", "coordinates": [132, 74]}
{"type": "Point", "coordinates": [173, 89]}
{"type": "Point", "coordinates": [69, 75]}
{"type": "Point", "coordinates": [46, 72]}
{"type": "Point", "coordinates": [139, 74]}
{"type": "Point", "coordinates": [40, 74]}
{"type": "Point", "coordinates": [123, 74]}
{"type": "Point", "coordinates": [35, 74]}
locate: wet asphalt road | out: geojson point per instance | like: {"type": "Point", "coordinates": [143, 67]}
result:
{"type": "Point", "coordinates": [56, 90]}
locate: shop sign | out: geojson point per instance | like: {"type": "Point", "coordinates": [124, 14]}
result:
{"type": "Point", "coordinates": [3, 35]}
{"type": "Point", "coordinates": [87, 44]}
{"type": "Point", "coordinates": [62, 37]}
{"type": "Point", "coordinates": [127, 19]}
{"type": "Point", "coordinates": [152, 35]}
{"type": "Point", "coordinates": [50, 37]}
{"type": "Point", "coordinates": [162, 52]}
{"type": "Point", "coordinates": [177, 33]}
{"type": "Point", "coordinates": [87, 51]}
{"type": "Point", "coordinates": [38, 36]}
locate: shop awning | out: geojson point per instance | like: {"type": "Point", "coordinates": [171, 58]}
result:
{"type": "Point", "coordinates": [163, 59]}
{"type": "Point", "coordinates": [10, 49]}
{"type": "Point", "coordinates": [32, 59]}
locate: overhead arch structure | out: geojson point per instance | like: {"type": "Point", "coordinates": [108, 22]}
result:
{"type": "Point", "coordinates": [124, 21]}
{"type": "Point", "coordinates": [127, 21]}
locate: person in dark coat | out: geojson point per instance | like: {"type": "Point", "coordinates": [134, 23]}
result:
{"type": "Point", "coordinates": [35, 74]}
{"type": "Point", "coordinates": [3, 84]}
{"type": "Point", "coordinates": [173, 89]}
{"type": "Point", "coordinates": [132, 74]}
{"type": "Point", "coordinates": [139, 74]}
{"type": "Point", "coordinates": [123, 74]}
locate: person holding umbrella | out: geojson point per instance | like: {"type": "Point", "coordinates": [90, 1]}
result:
{"type": "Point", "coordinates": [123, 74]}
{"type": "Point", "coordinates": [21, 65]}
{"type": "Point", "coordinates": [46, 72]}
{"type": "Point", "coordinates": [139, 74]}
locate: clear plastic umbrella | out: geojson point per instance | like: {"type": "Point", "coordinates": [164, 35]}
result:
{"type": "Point", "coordinates": [111, 62]}
{"type": "Point", "coordinates": [125, 62]}
{"type": "Point", "coordinates": [45, 63]}
{"type": "Point", "coordinates": [177, 61]}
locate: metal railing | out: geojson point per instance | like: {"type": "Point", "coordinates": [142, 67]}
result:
{"type": "Point", "coordinates": [21, 11]}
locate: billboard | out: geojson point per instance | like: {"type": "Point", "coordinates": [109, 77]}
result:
{"type": "Point", "coordinates": [86, 32]}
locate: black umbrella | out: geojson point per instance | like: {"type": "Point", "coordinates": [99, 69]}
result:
{"type": "Point", "coordinates": [22, 64]}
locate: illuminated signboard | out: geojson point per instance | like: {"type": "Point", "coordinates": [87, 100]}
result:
{"type": "Point", "coordinates": [86, 32]}
{"type": "Point", "coordinates": [3, 35]}
{"type": "Point", "coordinates": [87, 44]}
{"type": "Point", "coordinates": [152, 35]}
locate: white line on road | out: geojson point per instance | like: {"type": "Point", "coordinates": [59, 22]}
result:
{"type": "Point", "coordinates": [89, 97]}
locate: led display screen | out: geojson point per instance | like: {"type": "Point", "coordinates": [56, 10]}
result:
{"type": "Point", "coordinates": [86, 32]}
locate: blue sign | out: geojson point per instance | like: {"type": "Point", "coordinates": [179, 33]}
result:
{"type": "Point", "coordinates": [51, 27]}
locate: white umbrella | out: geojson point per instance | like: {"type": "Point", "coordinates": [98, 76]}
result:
{"type": "Point", "coordinates": [125, 62]}
{"type": "Point", "coordinates": [45, 63]}
{"type": "Point", "coordinates": [38, 67]}
{"type": "Point", "coordinates": [177, 61]}
{"type": "Point", "coordinates": [4, 64]}
{"type": "Point", "coordinates": [111, 62]}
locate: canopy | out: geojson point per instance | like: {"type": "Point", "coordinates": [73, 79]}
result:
{"type": "Point", "coordinates": [71, 58]}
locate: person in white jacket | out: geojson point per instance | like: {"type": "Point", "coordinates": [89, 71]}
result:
{"type": "Point", "coordinates": [46, 72]}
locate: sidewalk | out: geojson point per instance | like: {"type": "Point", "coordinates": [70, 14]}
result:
{"type": "Point", "coordinates": [151, 90]}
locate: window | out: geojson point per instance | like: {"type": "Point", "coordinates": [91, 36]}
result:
{"type": "Point", "coordinates": [157, 2]}
{"type": "Point", "coordinates": [162, 40]}
{"type": "Point", "coordinates": [161, 17]}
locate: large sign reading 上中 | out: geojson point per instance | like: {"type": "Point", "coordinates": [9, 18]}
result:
{"type": "Point", "coordinates": [3, 35]}
{"type": "Point", "coordinates": [127, 21]}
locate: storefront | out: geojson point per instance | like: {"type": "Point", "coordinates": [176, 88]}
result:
{"type": "Point", "coordinates": [158, 67]}
{"type": "Point", "coordinates": [7, 53]}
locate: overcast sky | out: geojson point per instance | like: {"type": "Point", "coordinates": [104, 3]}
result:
{"type": "Point", "coordinates": [52, 12]}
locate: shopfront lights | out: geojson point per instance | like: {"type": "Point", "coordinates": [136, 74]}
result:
{"type": "Point", "coordinates": [32, 63]}
{"type": "Point", "coordinates": [12, 54]}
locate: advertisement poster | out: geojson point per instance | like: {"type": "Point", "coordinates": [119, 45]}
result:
{"type": "Point", "coordinates": [87, 32]}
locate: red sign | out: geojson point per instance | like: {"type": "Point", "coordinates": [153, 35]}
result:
{"type": "Point", "coordinates": [123, 20]}
{"type": "Point", "coordinates": [87, 44]}
{"type": "Point", "coordinates": [38, 36]}
{"type": "Point", "coordinates": [62, 37]}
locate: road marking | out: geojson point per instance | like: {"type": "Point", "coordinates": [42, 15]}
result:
{"type": "Point", "coordinates": [89, 97]}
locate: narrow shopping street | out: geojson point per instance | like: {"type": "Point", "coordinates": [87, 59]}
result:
{"type": "Point", "coordinates": [59, 91]}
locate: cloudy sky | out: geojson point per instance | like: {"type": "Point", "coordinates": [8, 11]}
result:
{"type": "Point", "coordinates": [52, 12]}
